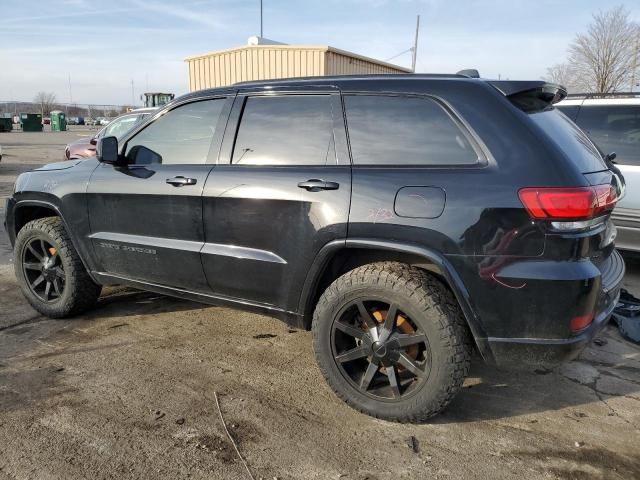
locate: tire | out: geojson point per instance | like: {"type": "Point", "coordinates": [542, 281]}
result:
{"type": "Point", "coordinates": [425, 309]}
{"type": "Point", "coordinates": [65, 289]}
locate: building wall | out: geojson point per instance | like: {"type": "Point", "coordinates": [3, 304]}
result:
{"type": "Point", "coordinates": [259, 62]}
{"type": "Point", "coordinates": [339, 63]}
{"type": "Point", "coordinates": [263, 62]}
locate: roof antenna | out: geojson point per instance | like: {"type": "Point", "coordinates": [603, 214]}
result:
{"type": "Point", "coordinates": [470, 72]}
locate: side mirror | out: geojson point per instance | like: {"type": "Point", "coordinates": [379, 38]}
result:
{"type": "Point", "coordinates": [107, 150]}
{"type": "Point", "coordinates": [93, 141]}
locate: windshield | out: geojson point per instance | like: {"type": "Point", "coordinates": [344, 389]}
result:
{"type": "Point", "coordinates": [614, 128]}
{"type": "Point", "coordinates": [570, 139]}
{"type": "Point", "coordinates": [121, 126]}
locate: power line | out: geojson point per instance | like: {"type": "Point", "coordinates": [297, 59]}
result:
{"type": "Point", "coordinates": [401, 53]}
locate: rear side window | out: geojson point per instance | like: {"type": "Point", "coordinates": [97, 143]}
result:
{"type": "Point", "coordinates": [286, 130]}
{"type": "Point", "coordinates": [570, 139]}
{"type": "Point", "coordinates": [385, 130]}
{"type": "Point", "coordinates": [614, 128]}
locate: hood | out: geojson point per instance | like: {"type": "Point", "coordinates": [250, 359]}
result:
{"type": "Point", "coordinates": [83, 140]}
{"type": "Point", "coordinates": [58, 165]}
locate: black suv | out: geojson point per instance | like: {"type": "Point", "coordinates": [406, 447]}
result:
{"type": "Point", "coordinates": [404, 219]}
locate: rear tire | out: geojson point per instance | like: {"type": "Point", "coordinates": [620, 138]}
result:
{"type": "Point", "coordinates": [50, 272]}
{"type": "Point", "coordinates": [412, 362]}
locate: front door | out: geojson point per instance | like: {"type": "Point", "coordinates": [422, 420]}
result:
{"type": "Point", "coordinates": [279, 193]}
{"type": "Point", "coordinates": [146, 218]}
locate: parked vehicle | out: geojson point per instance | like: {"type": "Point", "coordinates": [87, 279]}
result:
{"type": "Point", "coordinates": [85, 147]}
{"type": "Point", "coordinates": [404, 219]}
{"type": "Point", "coordinates": [613, 124]}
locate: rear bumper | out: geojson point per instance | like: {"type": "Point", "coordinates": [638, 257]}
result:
{"type": "Point", "coordinates": [550, 352]}
{"type": "Point", "coordinates": [529, 352]}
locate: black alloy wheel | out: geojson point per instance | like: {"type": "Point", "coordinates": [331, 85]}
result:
{"type": "Point", "coordinates": [43, 269]}
{"type": "Point", "coordinates": [380, 350]}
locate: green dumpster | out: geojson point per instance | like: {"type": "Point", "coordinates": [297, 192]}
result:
{"type": "Point", "coordinates": [6, 124]}
{"type": "Point", "coordinates": [31, 122]}
{"type": "Point", "coordinates": [58, 121]}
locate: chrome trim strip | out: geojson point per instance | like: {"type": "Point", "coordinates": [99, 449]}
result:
{"type": "Point", "coordinates": [170, 243]}
{"type": "Point", "coordinates": [244, 253]}
{"type": "Point", "coordinates": [241, 252]}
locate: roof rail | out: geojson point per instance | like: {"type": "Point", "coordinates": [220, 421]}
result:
{"type": "Point", "coordinates": [604, 95]}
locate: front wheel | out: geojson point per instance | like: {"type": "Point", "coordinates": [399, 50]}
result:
{"type": "Point", "coordinates": [391, 341]}
{"type": "Point", "coordinates": [50, 272]}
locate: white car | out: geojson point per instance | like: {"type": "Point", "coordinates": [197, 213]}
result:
{"type": "Point", "coordinates": [613, 123]}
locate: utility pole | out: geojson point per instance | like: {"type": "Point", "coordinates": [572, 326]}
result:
{"type": "Point", "coordinates": [261, 34]}
{"type": "Point", "coordinates": [635, 64]}
{"type": "Point", "coordinates": [70, 95]}
{"type": "Point", "coordinates": [414, 49]}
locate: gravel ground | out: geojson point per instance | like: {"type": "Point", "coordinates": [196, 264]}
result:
{"type": "Point", "coordinates": [128, 391]}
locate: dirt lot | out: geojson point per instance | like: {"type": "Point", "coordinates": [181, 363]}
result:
{"type": "Point", "coordinates": [128, 391]}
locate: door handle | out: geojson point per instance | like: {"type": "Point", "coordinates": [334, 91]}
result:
{"type": "Point", "coordinates": [315, 185]}
{"type": "Point", "coordinates": [181, 181]}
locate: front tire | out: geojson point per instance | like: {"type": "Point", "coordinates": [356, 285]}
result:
{"type": "Point", "coordinates": [50, 272]}
{"type": "Point", "coordinates": [391, 341]}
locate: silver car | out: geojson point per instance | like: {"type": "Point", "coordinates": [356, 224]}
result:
{"type": "Point", "coordinates": [613, 123]}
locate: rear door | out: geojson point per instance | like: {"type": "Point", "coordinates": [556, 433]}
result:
{"type": "Point", "coordinates": [279, 193]}
{"type": "Point", "coordinates": [146, 219]}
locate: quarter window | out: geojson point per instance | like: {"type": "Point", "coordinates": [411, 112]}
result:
{"type": "Point", "coordinates": [286, 130]}
{"type": "Point", "coordinates": [385, 130]}
{"type": "Point", "coordinates": [181, 136]}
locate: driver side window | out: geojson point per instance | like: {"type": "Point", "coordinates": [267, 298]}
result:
{"type": "Point", "coordinates": [180, 136]}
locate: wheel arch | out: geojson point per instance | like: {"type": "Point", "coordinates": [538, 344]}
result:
{"type": "Point", "coordinates": [27, 210]}
{"type": "Point", "coordinates": [338, 257]}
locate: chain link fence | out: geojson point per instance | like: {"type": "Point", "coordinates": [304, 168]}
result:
{"type": "Point", "coordinates": [88, 113]}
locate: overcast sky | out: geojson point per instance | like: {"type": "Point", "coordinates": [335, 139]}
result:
{"type": "Point", "coordinates": [104, 45]}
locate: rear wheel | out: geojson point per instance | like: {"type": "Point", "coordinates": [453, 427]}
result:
{"type": "Point", "coordinates": [50, 272]}
{"type": "Point", "coordinates": [391, 341]}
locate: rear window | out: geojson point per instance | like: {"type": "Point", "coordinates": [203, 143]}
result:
{"type": "Point", "coordinates": [570, 139]}
{"type": "Point", "coordinates": [614, 128]}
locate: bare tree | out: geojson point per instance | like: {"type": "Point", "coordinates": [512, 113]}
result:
{"type": "Point", "coordinates": [46, 100]}
{"type": "Point", "coordinates": [604, 58]}
{"type": "Point", "coordinates": [564, 74]}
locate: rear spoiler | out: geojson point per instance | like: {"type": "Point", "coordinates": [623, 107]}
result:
{"type": "Point", "coordinates": [530, 96]}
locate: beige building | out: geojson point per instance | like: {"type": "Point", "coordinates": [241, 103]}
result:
{"type": "Point", "coordinates": [267, 61]}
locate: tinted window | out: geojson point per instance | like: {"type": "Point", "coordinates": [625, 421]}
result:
{"type": "Point", "coordinates": [182, 135]}
{"type": "Point", "coordinates": [570, 139]}
{"type": "Point", "coordinates": [614, 128]}
{"type": "Point", "coordinates": [286, 130]}
{"type": "Point", "coordinates": [404, 131]}
{"type": "Point", "coordinates": [569, 110]}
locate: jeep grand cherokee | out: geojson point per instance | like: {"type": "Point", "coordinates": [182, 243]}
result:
{"type": "Point", "coordinates": [404, 219]}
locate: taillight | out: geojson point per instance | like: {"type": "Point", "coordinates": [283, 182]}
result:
{"type": "Point", "coordinates": [581, 322]}
{"type": "Point", "coordinates": [580, 203]}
